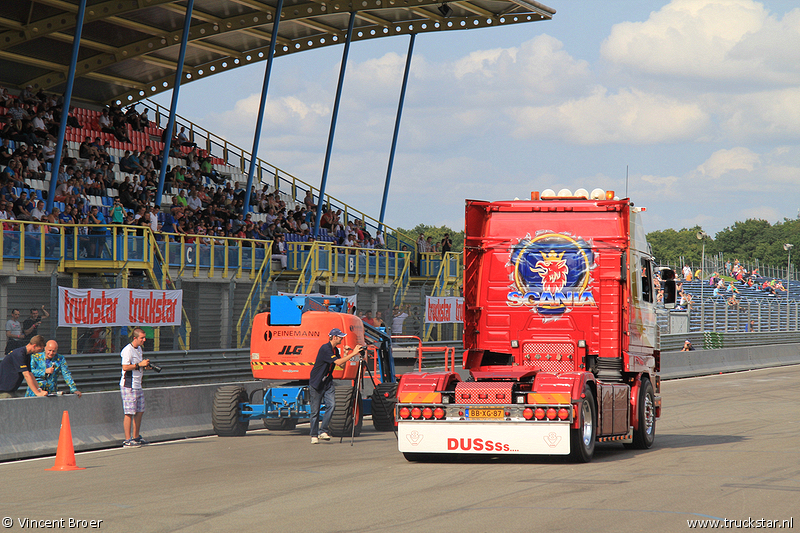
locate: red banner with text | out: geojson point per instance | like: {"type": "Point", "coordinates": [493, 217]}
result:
{"type": "Point", "coordinates": [91, 308]}
{"type": "Point", "coordinates": [444, 310]}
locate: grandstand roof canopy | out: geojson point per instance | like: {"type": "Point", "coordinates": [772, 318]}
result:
{"type": "Point", "coordinates": [129, 48]}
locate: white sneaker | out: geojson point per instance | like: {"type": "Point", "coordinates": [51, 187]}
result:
{"type": "Point", "coordinates": [314, 440]}
{"type": "Point", "coordinates": [324, 436]}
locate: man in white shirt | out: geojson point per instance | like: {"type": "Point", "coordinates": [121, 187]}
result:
{"type": "Point", "coordinates": [194, 202]}
{"type": "Point", "coordinates": [38, 212]}
{"type": "Point", "coordinates": [133, 364]}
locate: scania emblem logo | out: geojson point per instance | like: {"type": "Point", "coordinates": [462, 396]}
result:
{"type": "Point", "coordinates": [551, 273]}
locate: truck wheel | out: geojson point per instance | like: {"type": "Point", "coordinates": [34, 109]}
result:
{"type": "Point", "coordinates": [342, 420]}
{"type": "Point", "coordinates": [383, 400]}
{"type": "Point", "coordinates": [583, 439]}
{"type": "Point", "coordinates": [225, 411]}
{"type": "Point", "coordinates": [645, 434]}
{"type": "Point", "coordinates": [282, 424]}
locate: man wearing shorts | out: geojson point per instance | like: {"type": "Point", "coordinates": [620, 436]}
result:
{"type": "Point", "coordinates": [133, 366]}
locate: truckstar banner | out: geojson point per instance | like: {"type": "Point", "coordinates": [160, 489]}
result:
{"type": "Point", "coordinates": [90, 308]}
{"type": "Point", "coordinates": [444, 310]}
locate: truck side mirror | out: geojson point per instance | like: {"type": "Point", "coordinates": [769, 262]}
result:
{"type": "Point", "coordinates": [669, 288]}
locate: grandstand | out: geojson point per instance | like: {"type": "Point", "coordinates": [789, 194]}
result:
{"type": "Point", "coordinates": [125, 255]}
{"type": "Point", "coordinates": [754, 310]}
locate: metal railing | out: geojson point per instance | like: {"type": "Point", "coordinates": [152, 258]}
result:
{"type": "Point", "coordinates": [99, 372]}
{"type": "Point", "coordinates": [269, 174]}
{"type": "Point", "coordinates": [715, 340]}
{"type": "Point", "coordinates": [449, 278]}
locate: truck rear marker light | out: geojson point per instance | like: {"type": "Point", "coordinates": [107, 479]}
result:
{"type": "Point", "coordinates": [551, 414]}
{"type": "Point", "coordinates": [563, 413]}
{"type": "Point", "coordinates": [539, 413]}
{"type": "Point", "coordinates": [427, 413]}
{"type": "Point", "coordinates": [404, 412]}
{"type": "Point", "coordinates": [416, 412]}
{"type": "Point", "coordinates": [527, 413]}
{"type": "Point", "coordinates": [500, 396]}
{"type": "Point", "coordinates": [465, 396]}
{"type": "Point", "coordinates": [438, 413]}
{"type": "Point", "coordinates": [482, 396]}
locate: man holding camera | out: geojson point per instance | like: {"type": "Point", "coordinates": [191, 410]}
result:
{"type": "Point", "coordinates": [133, 364]}
{"type": "Point", "coordinates": [320, 386]}
{"type": "Point", "coordinates": [30, 327]}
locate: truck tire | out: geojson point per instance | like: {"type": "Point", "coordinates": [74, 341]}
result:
{"type": "Point", "coordinates": [384, 399]}
{"type": "Point", "coordinates": [225, 411]}
{"type": "Point", "coordinates": [280, 424]}
{"type": "Point", "coordinates": [342, 420]}
{"type": "Point", "coordinates": [583, 439]}
{"type": "Point", "coordinates": [645, 434]}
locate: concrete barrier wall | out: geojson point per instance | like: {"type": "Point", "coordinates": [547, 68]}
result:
{"type": "Point", "coordinates": [29, 427]}
{"type": "Point", "coordinates": [706, 362]}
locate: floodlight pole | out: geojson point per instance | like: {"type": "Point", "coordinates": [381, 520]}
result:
{"type": "Point", "coordinates": [62, 127]}
{"type": "Point", "coordinates": [788, 304]}
{"type": "Point", "coordinates": [262, 107]}
{"type": "Point", "coordinates": [702, 282]}
{"type": "Point", "coordinates": [174, 104]}
{"type": "Point", "coordinates": [396, 133]}
{"type": "Point", "coordinates": [338, 99]}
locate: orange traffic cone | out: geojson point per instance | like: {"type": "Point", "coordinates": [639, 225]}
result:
{"type": "Point", "coordinates": [65, 455]}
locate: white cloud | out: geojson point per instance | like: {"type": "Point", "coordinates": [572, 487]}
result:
{"type": "Point", "coordinates": [760, 115]}
{"type": "Point", "coordinates": [760, 212]}
{"type": "Point", "coordinates": [629, 116]}
{"type": "Point", "coordinates": [723, 162]}
{"type": "Point", "coordinates": [688, 38]}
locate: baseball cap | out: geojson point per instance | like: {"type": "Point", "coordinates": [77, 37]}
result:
{"type": "Point", "coordinates": [336, 332]}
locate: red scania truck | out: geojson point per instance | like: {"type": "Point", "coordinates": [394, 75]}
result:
{"type": "Point", "coordinates": [559, 334]}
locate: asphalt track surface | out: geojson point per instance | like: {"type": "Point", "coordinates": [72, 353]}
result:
{"type": "Point", "coordinates": [726, 448]}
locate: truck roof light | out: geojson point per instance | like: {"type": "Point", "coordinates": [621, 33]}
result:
{"type": "Point", "coordinates": [534, 195]}
{"type": "Point", "coordinates": [610, 195]}
{"type": "Point", "coordinates": [598, 194]}
{"type": "Point", "coordinates": [582, 193]}
{"type": "Point", "coordinates": [548, 193]}
{"type": "Point", "coordinates": [565, 193]}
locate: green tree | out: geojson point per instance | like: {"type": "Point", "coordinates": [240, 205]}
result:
{"type": "Point", "coordinates": [438, 233]}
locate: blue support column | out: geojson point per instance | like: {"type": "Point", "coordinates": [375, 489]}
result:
{"type": "Point", "coordinates": [262, 107]}
{"type": "Point", "coordinates": [174, 104]}
{"type": "Point", "coordinates": [347, 40]}
{"type": "Point", "coordinates": [62, 128]}
{"type": "Point", "coordinates": [396, 132]}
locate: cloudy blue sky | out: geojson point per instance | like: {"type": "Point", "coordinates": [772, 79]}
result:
{"type": "Point", "coordinates": [699, 99]}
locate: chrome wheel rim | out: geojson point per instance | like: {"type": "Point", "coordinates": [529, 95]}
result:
{"type": "Point", "coordinates": [649, 414]}
{"type": "Point", "coordinates": [586, 413]}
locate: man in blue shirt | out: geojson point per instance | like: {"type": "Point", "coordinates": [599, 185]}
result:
{"type": "Point", "coordinates": [16, 366]}
{"type": "Point", "coordinates": [46, 366]}
{"type": "Point", "coordinates": [320, 385]}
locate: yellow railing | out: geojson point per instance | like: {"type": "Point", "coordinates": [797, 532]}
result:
{"type": "Point", "coordinates": [344, 264]}
{"type": "Point", "coordinates": [260, 287]}
{"type": "Point", "coordinates": [450, 274]}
